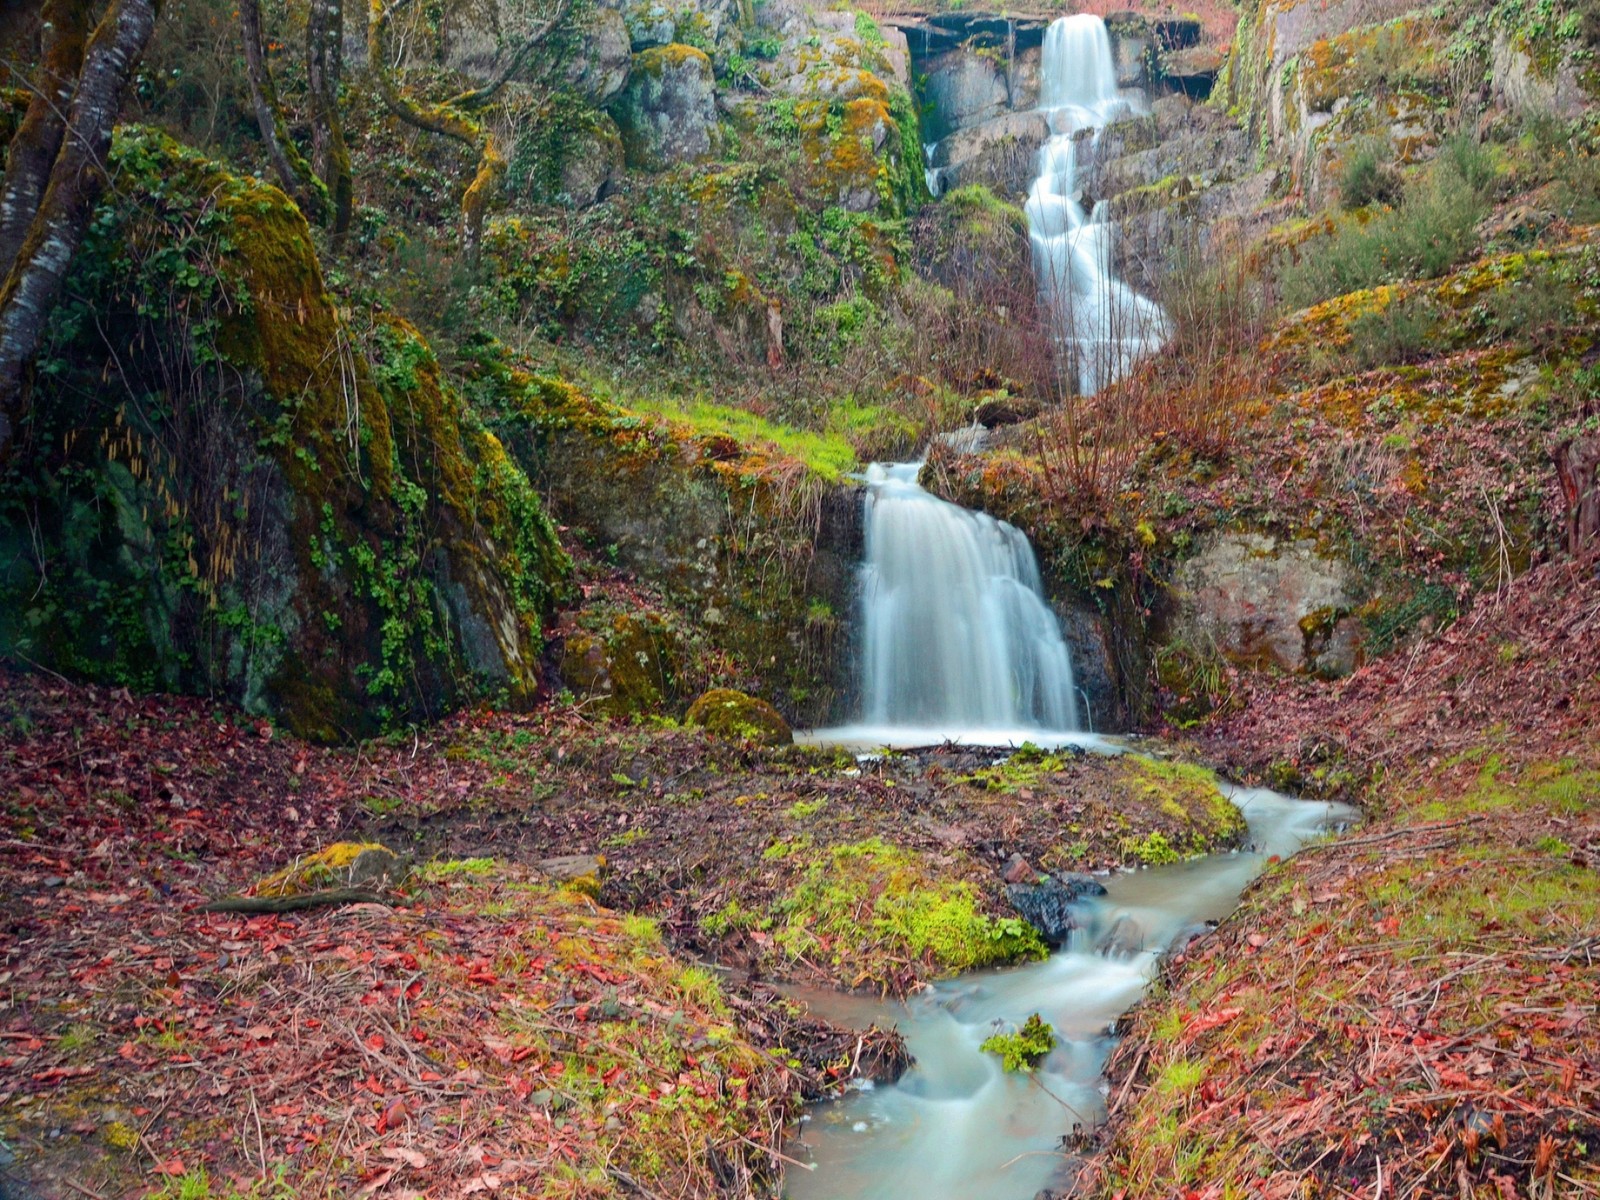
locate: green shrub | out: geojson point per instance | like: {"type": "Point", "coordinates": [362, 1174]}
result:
{"type": "Point", "coordinates": [1399, 333]}
{"type": "Point", "coordinates": [1433, 228]}
{"type": "Point", "coordinates": [1368, 178]}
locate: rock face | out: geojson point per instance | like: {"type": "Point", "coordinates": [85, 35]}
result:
{"type": "Point", "coordinates": [1269, 603]}
{"type": "Point", "coordinates": [730, 714]}
{"type": "Point", "coordinates": [356, 546]}
{"type": "Point", "coordinates": [1001, 154]}
{"type": "Point", "coordinates": [1524, 88]}
{"type": "Point", "coordinates": [1314, 78]}
{"type": "Point", "coordinates": [964, 89]}
{"type": "Point", "coordinates": [667, 113]}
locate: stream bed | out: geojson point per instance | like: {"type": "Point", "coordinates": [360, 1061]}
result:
{"type": "Point", "coordinates": [957, 1127]}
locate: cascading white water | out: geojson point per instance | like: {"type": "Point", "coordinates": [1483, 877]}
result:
{"type": "Point", "coordinates": [1106, 325]}
{"type": "Point", "coordinates": [957, 641]}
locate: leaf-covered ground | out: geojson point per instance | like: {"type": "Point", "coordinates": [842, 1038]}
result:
{"type": "Point", "coordinates": [1411, 1010]}
{"type": "Point", "coordinates": [492, 1029]}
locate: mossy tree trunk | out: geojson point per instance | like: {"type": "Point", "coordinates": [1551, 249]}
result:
{"type": "Point", "coordinates": [324, 66]}
{"type": "Point", "coordinates": [456, 118]}
{"type": "Point", "coordinates": [61, 161]}
{"type": "Point", "coordinates": [296, 175]}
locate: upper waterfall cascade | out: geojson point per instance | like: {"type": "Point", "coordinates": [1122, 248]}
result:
{"type": "Point", "coordinates": [1105, 324]}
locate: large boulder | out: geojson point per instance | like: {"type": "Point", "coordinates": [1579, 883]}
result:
{"type": "Point", "coordinates": [599, 65]}
{"type": "Point", "coordinates": [667, 113]}
{"type": "Point", "coordinates": [578, 166]}
{"type": "Point", "coordinates": [1266, 602]}
{"type": "Point", "coordinates": [1001, 154]}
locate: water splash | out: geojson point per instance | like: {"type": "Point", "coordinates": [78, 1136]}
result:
{"type": "Point", "coordinates": [1105, 324]}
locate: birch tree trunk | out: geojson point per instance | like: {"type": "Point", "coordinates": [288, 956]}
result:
{"type": "Point", "coordinates": [75, 181]}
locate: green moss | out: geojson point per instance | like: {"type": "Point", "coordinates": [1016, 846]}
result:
{"type": "Point", "coordinates": [863, 906]}
{"type": "Point", "coordinates": [309, 523]}
{"type": "Point", "coordinates": [1023, 1049]}
{"type": "Point", "coordinates": [727, 713]}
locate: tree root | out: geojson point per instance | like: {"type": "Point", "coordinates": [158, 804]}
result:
{"type": "Point", "coordinates": [284, 904]}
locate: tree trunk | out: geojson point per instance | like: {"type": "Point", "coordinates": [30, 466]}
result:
{"type": "Point", "coordinates": [76, 181]}
{"type": "Point", "coordinates": [292, 170]}
{"type": "Point", "coordinates": [1578, 468]}
{"type": "Point", "coordinates": [38, 139]}
{"type": "Point", "coordinates": [324, 66]}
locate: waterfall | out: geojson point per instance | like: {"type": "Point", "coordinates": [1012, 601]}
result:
{"type": "Point", "coordinates": [1105, 324]}
{"type": "Point", "coordinates": [957, 640]}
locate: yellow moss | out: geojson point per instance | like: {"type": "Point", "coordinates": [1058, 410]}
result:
{"type": "Point", "coordinates": [327, 867]}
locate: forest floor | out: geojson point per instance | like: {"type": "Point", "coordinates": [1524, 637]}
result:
{"type": "Point", "coordinates": [532, 1003]}
{"type": "Point", "coordinates": [1412, 1007]}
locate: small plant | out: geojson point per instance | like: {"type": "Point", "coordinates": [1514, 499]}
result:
{"type": "Point", "coordinates": [1368, 177]}
{"type": "Point", "coordinates": [1024, 1049]}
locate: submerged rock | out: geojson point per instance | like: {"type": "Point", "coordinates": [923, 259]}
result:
{"type": "Point", "coordinates": [1124, 939]}
{"type": "Point", "coordinates": [732, 714]}
{"type": "Point", "coordinates": [1049, 905]}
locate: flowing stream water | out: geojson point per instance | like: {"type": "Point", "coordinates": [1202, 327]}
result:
{"type": "Point", "coordinates": [1105, 324]}
{"type": "Point", "coordinates": [956, 1126]}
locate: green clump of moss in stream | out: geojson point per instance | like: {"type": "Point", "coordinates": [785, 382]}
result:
{"type": "Point", "coordinates": [1023, 1049]}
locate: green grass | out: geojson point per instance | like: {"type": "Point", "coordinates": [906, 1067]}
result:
{"type": "Point", "coordinates": [829, 455]}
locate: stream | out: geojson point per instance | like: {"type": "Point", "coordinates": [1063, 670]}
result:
{"type": "Point", "coordinates": [956, 1126]}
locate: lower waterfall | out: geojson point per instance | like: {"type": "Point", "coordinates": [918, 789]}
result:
{"type": "Point", "coordinates": [957, 640]}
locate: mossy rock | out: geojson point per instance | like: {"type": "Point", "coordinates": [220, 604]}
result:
{"type": "Point", "coordinates": [343, 864]}
{"type": "Point", "coordinates": [264, 501]}
{"type": "Point", "coordinates": [629, 667]}
{"type": "Point", "coordinates": [732, 714]}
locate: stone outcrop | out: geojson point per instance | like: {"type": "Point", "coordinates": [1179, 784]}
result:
{"type": "Point", "coordinates": [1001, 154]}
{"type": "Point", "coordinates": [667, 114]}
{"type": "Point", "coordinates": [1265, 602]}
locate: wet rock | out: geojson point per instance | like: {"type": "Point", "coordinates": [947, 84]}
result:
{"type": "Point", "coordinates": [1189, 935]}
{"type": "Point", "coordinates": [732, 714]}
{"type": "Point", "coordinates": [1123, 940]}
{"type": "Point", "coordinates": [1079, 884]}
{"type": "Point", "coordinates": [667, 113]}
{"type": "Point", "coordinates": [1048, 906]}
